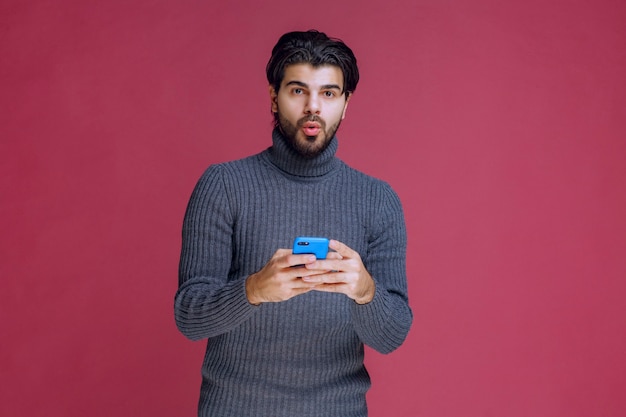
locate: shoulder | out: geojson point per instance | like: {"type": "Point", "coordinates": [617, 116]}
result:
{"type": "Point", "coordinates": [373, 184]}
{"type": "Point", "coordinates": [219, 176]}
{"type": "Point", "coordinates": [230, 169]}
{"type": "Point", "coordinates": [234, 165]}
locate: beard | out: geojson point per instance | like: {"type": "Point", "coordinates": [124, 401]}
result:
{"type": "Point", "coordinates": [306, 146]}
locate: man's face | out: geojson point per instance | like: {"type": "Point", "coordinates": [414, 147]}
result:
{"type": "Point", "coordinates": [310, 106]}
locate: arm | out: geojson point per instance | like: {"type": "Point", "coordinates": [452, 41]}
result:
{"type": "Point", "coordinates": [381, 313]}
{"type": "Point", "coordinates": [384, 322]}
{"type": "Point", "coordinates": [207, 303]}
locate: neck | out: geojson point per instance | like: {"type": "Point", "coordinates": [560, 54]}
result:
{"type": "Point", "coordinates": [288, 160]}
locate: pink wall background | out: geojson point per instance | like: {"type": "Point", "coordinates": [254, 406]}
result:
{"type": "Point", "coordinates": [500, 124]}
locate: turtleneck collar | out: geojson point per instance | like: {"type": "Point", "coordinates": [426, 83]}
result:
{"type": "Point", "coordinates": [286, 159]}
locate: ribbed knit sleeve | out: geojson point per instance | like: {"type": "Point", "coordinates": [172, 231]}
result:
{"type": "Point", "coordinates": [206, 303]}
{"type": "Point", "coordinates": [384, 323]}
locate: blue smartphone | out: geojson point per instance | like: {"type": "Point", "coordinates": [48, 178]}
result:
{"type": "Point", "coordinates": [317, 246]}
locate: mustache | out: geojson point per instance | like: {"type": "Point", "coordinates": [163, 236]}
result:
{"type": "Point", "coordinates": [312, 118]}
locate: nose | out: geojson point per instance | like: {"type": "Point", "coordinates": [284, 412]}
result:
{"type": "Point", "coordinates": [312, 105]}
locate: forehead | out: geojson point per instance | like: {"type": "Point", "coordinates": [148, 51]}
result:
{"type": "Point", "coordinates": [323, 75]}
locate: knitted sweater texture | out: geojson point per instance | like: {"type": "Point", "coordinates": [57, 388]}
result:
{"type": "Point", "coordinates": [302, 357]}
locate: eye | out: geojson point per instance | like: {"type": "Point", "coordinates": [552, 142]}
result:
{"type": "Point", "coordinates": [329, 93]}
{"type": "Point", "coordinates": [298, 91]}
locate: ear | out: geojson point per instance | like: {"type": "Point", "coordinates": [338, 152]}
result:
{"type": "Point", "coordinates": [345, 106]}
{"type": "Point", "coordinates": [273, 99]}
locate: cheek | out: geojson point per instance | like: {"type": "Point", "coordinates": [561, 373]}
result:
{"type": "Point", "coordinates": [289, 108]}
{"type": "Point", "coordinates": [340, 112]}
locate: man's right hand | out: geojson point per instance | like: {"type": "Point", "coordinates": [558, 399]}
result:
{"type": "Point", "coordinates": [281, 278]}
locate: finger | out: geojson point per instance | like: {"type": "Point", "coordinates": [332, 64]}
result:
{"type": "Point", "coordinates": [301, 285]}
{"type": "Point", "coordinates": [327, 277]}
{"type": "Point", "coordinates": [341, 248]}
{"type": "Point", "coordinates": [338, 264]}
{"type": "Point", "coordinates": [334, 255]}
{"type": "Point", "coordinates": [303, 271]}
{"type": "Point", "coordinates": [297, 259]}
{"type": "Point", "coordinates": [331, 263]}
{"type": "Point", "coordinates": [280, 258]}
{"type": "Point", "coordinates": [333, 288]}
{"type": "Point", "coordinates": [299, 275]}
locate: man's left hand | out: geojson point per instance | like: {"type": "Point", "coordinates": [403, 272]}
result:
{"type": "Point", "coordinates": [347, 274]}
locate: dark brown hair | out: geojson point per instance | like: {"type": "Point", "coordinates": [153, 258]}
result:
{"type": "Point", "coordinates": [315, 48]}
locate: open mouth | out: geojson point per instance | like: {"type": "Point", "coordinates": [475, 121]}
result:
{"type": "Point", "coordinates": [311, 128]}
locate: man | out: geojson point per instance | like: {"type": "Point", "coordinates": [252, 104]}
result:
{"type": "Point", "coordinates": [286, 331]}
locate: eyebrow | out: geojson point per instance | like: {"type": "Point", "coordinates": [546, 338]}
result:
{"type": "Point", "coordinates": [324, 87]}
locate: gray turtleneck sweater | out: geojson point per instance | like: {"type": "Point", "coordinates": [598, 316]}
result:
{"type": "Point", "coordinates": [302, 357]}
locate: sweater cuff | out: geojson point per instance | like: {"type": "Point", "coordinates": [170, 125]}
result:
{"type": "Point", "coordinates": [376, 311]}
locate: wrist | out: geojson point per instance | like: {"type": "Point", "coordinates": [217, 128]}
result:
{"type": "Point", "coordinates": [249, 288]}
{"type": "Point", "coordinates": [368, 297]}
